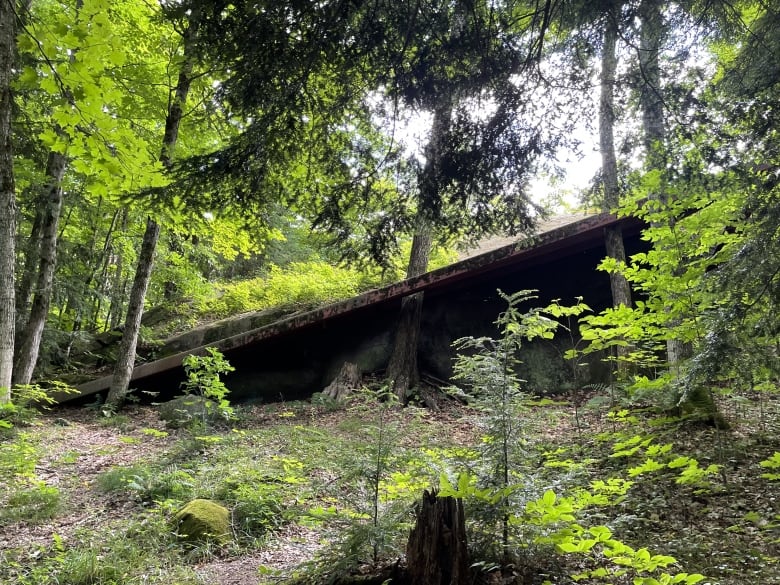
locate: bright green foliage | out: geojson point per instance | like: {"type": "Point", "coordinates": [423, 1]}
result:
{"type": "Point", "coordinates": [298, 283]}
{"type": "Point", "coordinates": [24, 496]}
{"type": "Point", "coordinates": [695, 229]}
{"type": "Point", "coordinates": [490, 371]}
{"type": "Point", "coordinates": [614, 559]}
{"type": "Point", "coordinates": [773, 464]}
{"type": "Point", "coordinates": [80, 56]}
{"type": "Point", "coordinates": [203, 379]}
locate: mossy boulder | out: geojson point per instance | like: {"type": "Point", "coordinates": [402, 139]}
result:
{"type": "Point", "coordinates": [182, 410]}
{"type": "Point", "coordinates": [203, 520]}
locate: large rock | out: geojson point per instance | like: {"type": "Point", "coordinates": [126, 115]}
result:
{"type": "Point", "coordinates": [203, 520]}
{"type": "Point", "coordinates": [183, 410]}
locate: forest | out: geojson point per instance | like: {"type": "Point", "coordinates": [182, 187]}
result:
{"type": "Point", "coordinates": [165, 164]}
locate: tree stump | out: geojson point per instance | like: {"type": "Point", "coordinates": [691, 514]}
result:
{"type": "Point", "coordinates": [348, 379]}
{"type": "Point", "coordinates": [436, 553]}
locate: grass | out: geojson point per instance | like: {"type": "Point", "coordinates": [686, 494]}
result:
{"type": "Point", "coordinates": [301, 482]}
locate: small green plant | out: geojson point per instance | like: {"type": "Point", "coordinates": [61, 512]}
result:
{"type": "Point", "coordinates": [773, 465]}
{"type": "Point", "coordinates": [203, 380]}
{"type": "Point", "coordinates": [27, 400]}
{"type": "Point", "coordinates": [258, 507]}
{"type": "Point", "coordinates": [117, 479]}
{"type": "Point", "coordinates": [489, 370]}
{"type": "Point", "coordinates": [34, 502]}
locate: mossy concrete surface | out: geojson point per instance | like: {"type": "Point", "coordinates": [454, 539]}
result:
{"type": "Point", "coordinates": [203, 520]}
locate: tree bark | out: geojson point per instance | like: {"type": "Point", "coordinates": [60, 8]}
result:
{"type": "Point", "coordinates": [32, 255]}
{"type": "Point", "coordinates": [613, 236]}
{"type": "Point", "coordinates": [436, 553]}
{"type": "Point", "coordinates": [402, 369]}
{"type": "Point", "coordinates": [118, 286]}
{"type": "Point", "coordinates": [123, 370]}
{"type": "Point", "coordinates": [654, 125]}
{"type": "Point", "coordinates": [7, 200]}
{"type": "Point", "coordinates": [348, 379]}
{"type": "Point", "coordinates": [650, 96]}
{"type": "Point", "coordinates": [30, 343]}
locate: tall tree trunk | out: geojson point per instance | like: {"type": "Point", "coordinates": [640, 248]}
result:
{"type": "Point", "coordinates": [613, 236]}
{"type": "Point", "coordinates": [650, 96]}
{"type": "Point", "coordinates": [7, 200]}
{"type": "Point", "coordinates": [123, 371]}
{"type": "Point", "coordinates": [30, 344]}
{"type": "Point", "coordinates": [78, 318]}
{"type": "Point", "coordinates": [402, 369]}
{"type": "Point", "coordinates": [654, 123]}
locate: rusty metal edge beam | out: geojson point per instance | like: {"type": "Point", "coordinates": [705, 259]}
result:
{"type": "Point", "coordinates": [542, 244]}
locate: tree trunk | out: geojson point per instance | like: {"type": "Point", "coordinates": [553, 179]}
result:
{"type": "Point", "coordinates": [436, 553]}
{"type": "Point", "coordinates": [32, 255]}
{"type": "Point", "coordinates": [118, 286]}
{"type": "Point", "coordinates": [650, 96]}
{"type": "Point", "coordinates": [613, 236]}
{"type": "Point", "coordinates": [654, 124]}
{"type": "Point", "coordinates": [7, 201]}
{"type": "Point", "coordinates": [402, 369]}
{"type": "Point", "coordinates": [123, 370]}
{"type": "Point", "coordinates": [105, 253]}
{"type": "Point", "coordinates": [30, 343]}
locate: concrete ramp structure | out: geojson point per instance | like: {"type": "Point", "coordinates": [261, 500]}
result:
{"type": "Point", "coordinates": [299, 354]}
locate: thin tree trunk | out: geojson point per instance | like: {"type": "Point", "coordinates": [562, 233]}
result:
{"type": "Point", "coordinates": [117, 288]}
{"type": "Point", "coordinates": [123, 370]}
{"type": "Point", "coordinates": [30, 345]}
{"type": "Point", "coordinates": [32, 255]}
{"type": "Point", "coordinates": [613, 236]}
{"type": "Point", "coordinates": [7, 201]}
{"type": "Point", "coordinates": [402, 368]}
{"type": "Point", "coordinates": [105, 252]}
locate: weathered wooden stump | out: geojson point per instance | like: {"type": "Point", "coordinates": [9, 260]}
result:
{"type": "Point", "coordinates": [348, 379]}
{"type": "Point", "coordinates": [436, 553]}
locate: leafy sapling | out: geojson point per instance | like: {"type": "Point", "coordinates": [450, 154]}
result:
{"type": "Point", "coordinates": [488, 368]}
{"type": "Point", "coordinates": [203, 379]}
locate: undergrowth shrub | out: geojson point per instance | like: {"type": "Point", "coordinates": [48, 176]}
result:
{"type": "Point", "coordinates": [258, 508]}
{"type": "Point", "coordinates": [498, 486]}
{"type": "Point", "coordinates": [367, 511]}
{"type": "Point", "coordinates": [24, 497]}
{"type": "Point", "coordinates": [203, 379]}
{"type": "Point", "coordinates": [27, 401]}
{"type": "Point", "coordinates": [138, 551]}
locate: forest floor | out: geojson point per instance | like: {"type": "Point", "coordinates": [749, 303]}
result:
{"type": "Point", "coordinates": [89, 500]}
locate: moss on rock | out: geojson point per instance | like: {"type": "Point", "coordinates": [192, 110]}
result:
{"type": "Point", "coordinates": [183, 410]}
{"type": "Point", "coordinates": [202, 520]}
